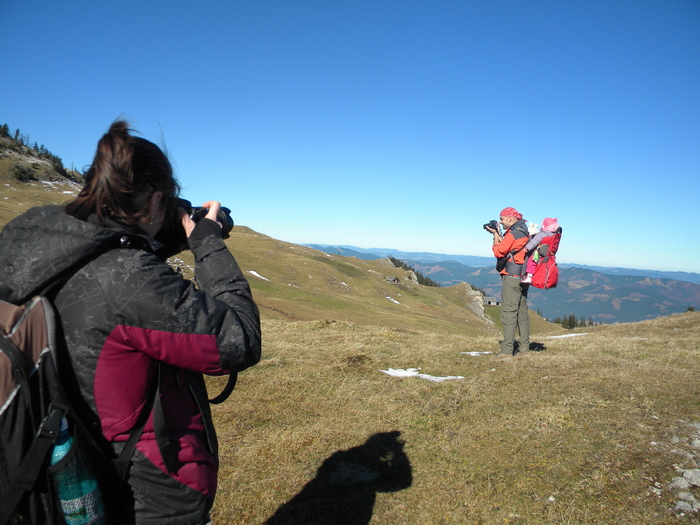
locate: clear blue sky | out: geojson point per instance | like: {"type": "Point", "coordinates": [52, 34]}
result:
{"type": "Point", "coordinates": [397, 124]}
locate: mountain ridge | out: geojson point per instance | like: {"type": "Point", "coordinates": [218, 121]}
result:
{"type": "Point", "coordinates": [477, 261]}
{"type": "Point", "coordinates": [586, 293]}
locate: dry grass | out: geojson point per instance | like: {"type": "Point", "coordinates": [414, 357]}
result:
{"type": "Point", "coordinates": [563, 436]}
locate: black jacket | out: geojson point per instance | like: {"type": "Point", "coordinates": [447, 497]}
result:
{"type": "Point", "coordinates": [124, 312]}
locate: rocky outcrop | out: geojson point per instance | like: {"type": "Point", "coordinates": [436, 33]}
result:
{"type": "Point", "coordinates": [473, 300]}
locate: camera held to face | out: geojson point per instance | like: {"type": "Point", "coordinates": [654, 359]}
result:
{"type": "Point", "coordinates": [173, 236]}
{"type": "Point", "coordinates": [197, 213]}
{"type": "Point", "coordinates": [492, 225]}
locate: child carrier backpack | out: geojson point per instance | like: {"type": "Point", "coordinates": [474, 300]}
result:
{"type": "Point", "coordinates": [547, 272]}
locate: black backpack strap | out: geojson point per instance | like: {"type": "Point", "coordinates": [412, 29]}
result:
{"type": "Point", "coordinates": [518, 231]}
{"type": "Point", "coordinates": [228, 389]}
{"type": "Point", "coordinates": [31, 464]}
{"type": "Point", "coordinates": [160, 427]}
{"type": "Point", "coordinates": [124, 458]}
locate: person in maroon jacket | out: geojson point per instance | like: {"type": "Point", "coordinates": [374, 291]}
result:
{"type": "Point", "coordinates": [509, 250]}
{"type": "Point", "coordinates": [131, 322]}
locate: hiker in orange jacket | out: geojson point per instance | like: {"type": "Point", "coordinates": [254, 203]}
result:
{"type": "Point", "coordinates": [509, 250]}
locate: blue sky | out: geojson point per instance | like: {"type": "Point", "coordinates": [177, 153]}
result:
{"type": "Point", "coordinates": [396, 124]}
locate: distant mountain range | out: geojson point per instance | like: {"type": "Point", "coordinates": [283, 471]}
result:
{"type": "Point", "coordinates": [601, 294]}
{"type": "Point", "coordinates": [369, 254]}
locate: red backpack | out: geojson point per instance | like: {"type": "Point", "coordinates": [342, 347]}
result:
{"type": "Point", "coordinates": [547, 272]}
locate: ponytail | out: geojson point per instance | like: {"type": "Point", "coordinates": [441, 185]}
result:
{"type": "Point", "coordinates": [124, 174]}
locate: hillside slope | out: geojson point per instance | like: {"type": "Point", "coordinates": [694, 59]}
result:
{"type": "Point", "coordinates": [296, 283]}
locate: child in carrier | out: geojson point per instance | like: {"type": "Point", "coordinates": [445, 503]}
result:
{"type": "Point", "coordinates": [549, 228]}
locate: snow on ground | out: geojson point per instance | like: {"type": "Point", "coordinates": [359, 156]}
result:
{"type": "Point", "coordinates": [256, 274]}
{"type": "Point", "coordinates": [474, 354]}
{"type": "Point", "coordinates": [413, 372]}
{"type": "Point", "coordinates": [392, 300]}
{"type": "Point", "coordinates": [565, 335]}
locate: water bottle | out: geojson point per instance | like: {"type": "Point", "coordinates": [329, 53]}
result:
{"type": "Point", "coordinates": [75, 483]}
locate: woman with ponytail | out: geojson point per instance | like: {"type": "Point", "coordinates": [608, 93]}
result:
{"type": "Point", "coordinates": [139, 337]}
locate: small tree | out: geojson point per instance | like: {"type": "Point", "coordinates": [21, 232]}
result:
{"type": "Point", "coordinates": [23, 173]}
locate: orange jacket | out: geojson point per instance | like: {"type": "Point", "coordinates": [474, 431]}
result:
{"type": "Point", "coordinates": [514, 240]}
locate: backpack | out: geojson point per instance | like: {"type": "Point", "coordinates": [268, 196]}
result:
{"type": "Point", "coordinates": [547, 271]}
{"type": "Point", "coordinates": [35, 408]}
{"type": "Point", "coordinates": [38, 394]}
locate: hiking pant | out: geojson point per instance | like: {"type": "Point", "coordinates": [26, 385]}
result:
{"type": "Point", "coordinates": [514, 313]}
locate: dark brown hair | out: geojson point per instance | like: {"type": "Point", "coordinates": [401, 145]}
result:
{"type": "Point", "coordinates": [124, 174]}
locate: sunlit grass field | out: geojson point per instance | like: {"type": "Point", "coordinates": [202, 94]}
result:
{"type": "Point", "coordinates": [578, 433]}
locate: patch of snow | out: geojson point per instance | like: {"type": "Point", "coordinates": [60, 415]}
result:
{"type": "Point", "coordinates": [565, 335]}
{"type": "Point", "coordinates": [474, 354]}
{"type": "Point", "coordinates": [256, 274]}
{"type": "Point", "coordinates": [392, 300]}
{"type": "Point", "coordinates": [413, 372]}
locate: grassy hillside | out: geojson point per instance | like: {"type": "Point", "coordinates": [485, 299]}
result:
{"type": "Point", "coordinates": [298, 283]}
{"type": "Point", "coordinates": [16, 196]}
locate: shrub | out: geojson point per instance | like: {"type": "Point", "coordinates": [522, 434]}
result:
{"type": "Point", "coordinates": [23, 173]}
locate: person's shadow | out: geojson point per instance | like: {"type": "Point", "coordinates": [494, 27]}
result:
{"type": "Point", "coordinates": [346, 485]}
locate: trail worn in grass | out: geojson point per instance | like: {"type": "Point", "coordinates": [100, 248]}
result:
{"type": "Point", "coordinates": [587, 431]}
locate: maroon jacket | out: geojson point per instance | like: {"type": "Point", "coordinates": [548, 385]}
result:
{"type": "Point", "coordinates": [124, 312]}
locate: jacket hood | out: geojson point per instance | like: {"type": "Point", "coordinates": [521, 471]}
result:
{"type": "Point", "coordinates": [45, 243]}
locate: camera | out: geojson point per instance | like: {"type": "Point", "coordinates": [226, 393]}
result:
{"type": "Point", "coordinates": [197, 212]}
{"type": "Point", "coordinates": [493, 225]}
{"type": "Point", "coordinates": [172, 234]}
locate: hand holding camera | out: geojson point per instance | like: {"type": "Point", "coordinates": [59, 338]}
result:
{"type": "Point", "coordinates": [190, 216]}
{"type": "Point", "coordinates": [182, 219]}
{"type": "Point", "coordinates": [492, 227]}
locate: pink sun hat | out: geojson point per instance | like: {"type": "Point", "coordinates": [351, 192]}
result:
{"type": "Point", "coordinates": [550, 225]}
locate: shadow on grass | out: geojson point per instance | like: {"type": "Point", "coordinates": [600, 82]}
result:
{"type": "Point", "coordinates": [534, 347]}
{"type": "Point", "coordinates": [345, 487]}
